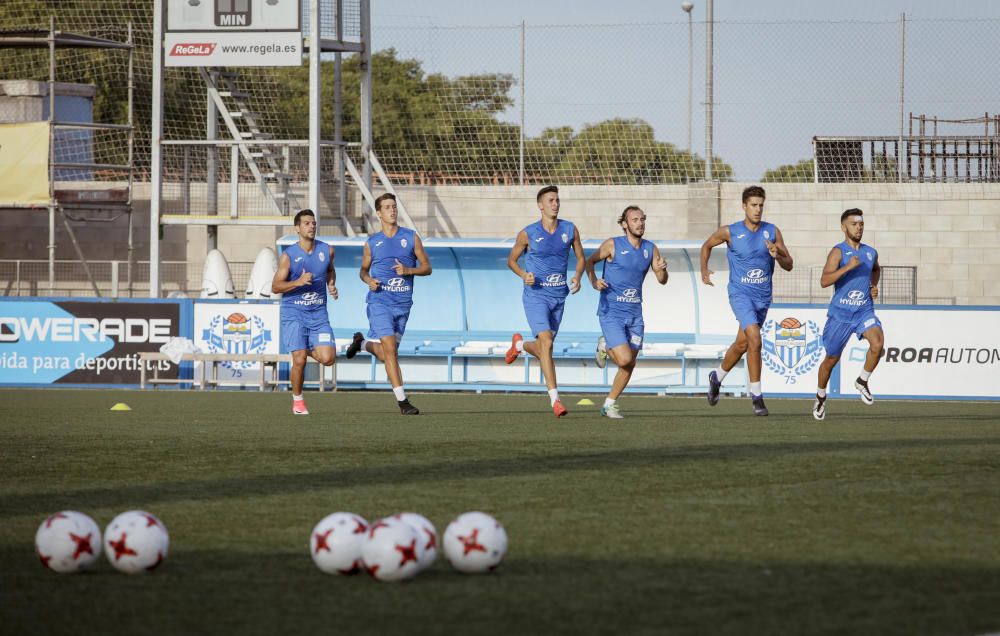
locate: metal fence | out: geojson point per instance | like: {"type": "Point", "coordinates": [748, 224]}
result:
{"type": "Point", "coordinates": [588, 103]}
{"type": "Point", "coordinates": [31, 278]}
{"type": "Point", "coordinates": [609, 103]}
{"type": "Point", "coordinates": [898, 286]}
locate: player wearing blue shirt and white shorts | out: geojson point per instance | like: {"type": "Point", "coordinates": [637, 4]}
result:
{"type": "Point", "coordinates": [391, 259]}
{"type": "Point", "coordinates": [627, 259]}
{"type": "Point", "coordinates": [305, 274]}
{"type": "Point", "coordinates": [547, 243]}
{"type": "Point", "coordinates": [852, 268]}
{"type": "Point", "coordinates": [754, 246]}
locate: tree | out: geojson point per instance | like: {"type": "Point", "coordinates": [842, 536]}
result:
{"type": "Point", "coordinates": [883, 170]}
{"type": "Point", "coordinates": [423, 122]}
{"type": "Point", "coordinates": [626, 151]}
{"type": "Point", "coordinates": [801, 172]}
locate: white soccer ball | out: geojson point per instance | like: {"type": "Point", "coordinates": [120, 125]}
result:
{"type": "Point", "coordinates": [68, 542]}
{"type": "Point", "coordinates": [136, 542]}
{"type": "Point", "coordinates": [427, 545]}
{"type": "Point", "coordinates": [390, 551]}
{"type": "Point", "coordinates": [475, 542]}
{"type": "Point", "coordinates": [336, 541]}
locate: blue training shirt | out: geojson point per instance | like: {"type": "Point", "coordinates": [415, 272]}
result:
{"type": "Point", "coordinates": [394, 289]}
{"type": "Point", "coordinates": [311, 297]}
{"type": "Point", "coordinates": [852, 291]}
{"type": "Point", "coordinates": [624, 275]}
{"type": "Point", "coordinates": [751, 266]}
{"type": "Point", "coordinates": [548, 258]}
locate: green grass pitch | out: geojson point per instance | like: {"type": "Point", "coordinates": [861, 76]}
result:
{"type": "Point", "coordinates": [679, 519]}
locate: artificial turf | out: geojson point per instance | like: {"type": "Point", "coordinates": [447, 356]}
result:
{"type": "Point", "coordinates": [679, 519]}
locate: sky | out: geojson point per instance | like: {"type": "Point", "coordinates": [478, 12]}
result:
{"type": "Point", "coordinates": [785, 70]}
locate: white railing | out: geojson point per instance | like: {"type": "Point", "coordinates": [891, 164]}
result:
{"type": "Point", "coordinates": [114, 279]}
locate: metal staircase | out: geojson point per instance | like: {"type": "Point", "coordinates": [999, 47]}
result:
{"type": "Point", "coordinates": [271, 171]}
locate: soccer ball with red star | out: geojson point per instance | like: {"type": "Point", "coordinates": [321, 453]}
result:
{"type": "Point", "coordinates": [68, 542]}
{"type": "Point", "coordinates": [427, 546]}
{"type": "Point", "coordinates": [335, 543]}
{"type": "Point", "coordinates": [390, 550]}
{"type": "Point", "coordinates": [136, 542]}
{"type": "Point", "coordinates": [475, 542]}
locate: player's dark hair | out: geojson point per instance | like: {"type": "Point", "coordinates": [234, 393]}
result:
{"type": "Point", "coordinates": [624, 214]}
{"type": "Point", "coordinates": [388, 196]}
{"type": "Point", "coordinates": [545, 191]}
{"type": "Point", "coordinates": [753, 191]}
{"type": "Point", "coordinates": [851, 212]}
{"type": "Point", "coordinates": [303, 213]}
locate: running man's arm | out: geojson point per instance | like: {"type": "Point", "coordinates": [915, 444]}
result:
{"type": "Point", "coordinates": [424, 268]}
{"type": "Point", "coordinates": [717, 238]}
{"type": "Point", "coordinates": [520, 245]}
{"type": "Point", "coordinates": [574, 285]}
{"type": "Point", "coordinates": [280, 283]}
{"type": "Point", "coordinates": [366, 264]}
{"type": "Point", "coordinates": [331, 278]}
{"type": "Point", "coordinates": [606, 250]}
{"type": "Point", "coordinates": [831, 273]}
{"type": "Point", "coordinates": [659, 267]}
{"type": "Point", "coordinates": [876, 277]}
{"type": "Point", "coordinates": [779, 252]}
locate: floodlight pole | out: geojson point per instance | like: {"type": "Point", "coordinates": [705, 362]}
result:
{"type": "Point", "coordinates": [687, 7]}
{"type": "Point", "coordinates": [366, 92]}
{"type": "Point", "coordinates": [315, 107]}
{"type": "Point", "coordinates": [709, 72]}
{"type": "Point", "coordinates": [902, 97]}
{"type": "Point", "coordinates": [338, 118]}
{"type": "Point", "coordinates": [156, 157]}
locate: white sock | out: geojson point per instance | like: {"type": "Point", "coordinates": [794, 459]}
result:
{"type": "Point", "coordinates": [399, 393]}
{"type": "Point", "coordinates": [553, 396]}
{"type": "Point", "coordinates": [519, 345]}
{"type": "Point", "coordinates": [755, 388]}
{"type": "Point", "coordinates": [296, 397]}
{"type": "Point", "coordinates": [721, 374]}
{"type": "Point", "coordinates": [608, 402]}
{"type": "Point", "coordinates": [864, 375]}
{"type": "Point", "coordinates": [821, 392]}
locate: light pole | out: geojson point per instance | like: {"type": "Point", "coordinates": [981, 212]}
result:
{"type": "Point", "coordinates": [709, 86]}
{"type": "Point", "coordinates": [687, 7]}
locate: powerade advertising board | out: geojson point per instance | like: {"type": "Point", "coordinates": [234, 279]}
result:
{"type": "Point", "coordinates": [84, 342]}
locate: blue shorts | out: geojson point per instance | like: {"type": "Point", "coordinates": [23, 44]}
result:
{"type": "Point", "coordinates": [836, 333]}
{"type": "Point", "coordinates": [386, 320]}
{"type": "Point", "coordinates": [543, 312]}
{"type": "Point", "coordinates": [619, 330]}
{"type": "Point", "coordinates": [298, 333]}
{"type": "Point", "coordinates": [748, 311]}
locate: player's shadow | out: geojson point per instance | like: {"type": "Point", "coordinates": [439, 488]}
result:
{"type": "Point", "coordinates": [451, 469]}
{"type": "Point", "coordinates": [236, 591]}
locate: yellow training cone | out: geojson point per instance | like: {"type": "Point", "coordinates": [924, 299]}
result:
{"type": "Point", "coordinates": [121, 406]}
{"type": "Point", "coordinates": [585, 402]}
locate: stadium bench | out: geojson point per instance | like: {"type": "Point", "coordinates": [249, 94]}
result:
{"type": "Point", "coordinates": [269, 375]}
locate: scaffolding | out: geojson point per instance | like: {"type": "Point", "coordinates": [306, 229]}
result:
{"type": "Point", "coordinates": [264, 181]}
{"type": "Point", "coordinates": [80, 181]}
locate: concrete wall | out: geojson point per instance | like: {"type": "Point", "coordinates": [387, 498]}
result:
{"type": "Point", "coordinates": [951, 232]}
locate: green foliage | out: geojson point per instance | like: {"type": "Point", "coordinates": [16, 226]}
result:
{"type": "Point", "coordinates": [456, 128]}
{"type": "Point", "coordinates": [801, 172]}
